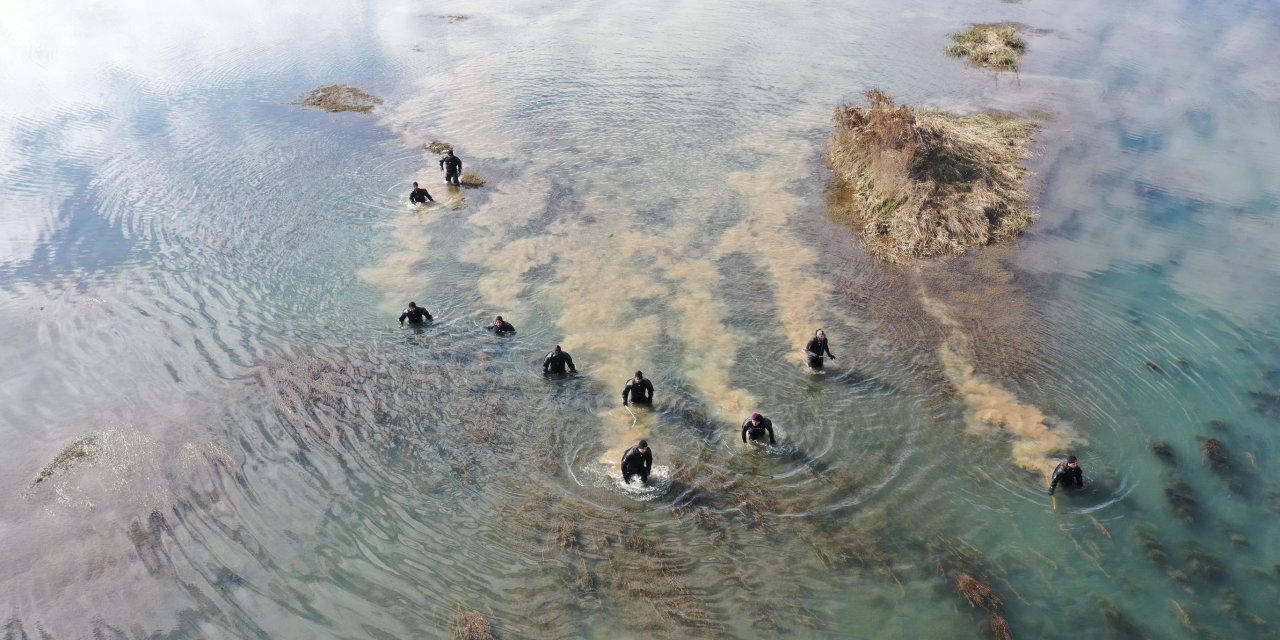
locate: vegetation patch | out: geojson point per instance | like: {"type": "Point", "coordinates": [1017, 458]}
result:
{"type": "Point", "coordinates": [470, 179]}
{"type": "Point", "coordinates": [993, 45]}
{"type": "Point", "coordinates": [438, 147]}
{"type": "Point", "coordinates": [336, 98]}
{"type": "Point", "coordinates": [83, 449]}
{"type": "Point", "coordinates": [925, 183]}
{"type": "Point", "coordinates": [471, 625]}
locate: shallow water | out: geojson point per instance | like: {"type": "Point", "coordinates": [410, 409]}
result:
{"type": "Point", "coordinates": [202, 279]}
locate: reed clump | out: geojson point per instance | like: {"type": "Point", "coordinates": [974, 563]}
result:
{"type": "Point", "coordinates": [336, 98]}
{"type": "Point", "coordinates": [472, 180]}
{"type": "Point", "coordinates": [471, 625]}
{"type": "Point", "coordinates": [926, 183]}
{"type": "Point", "coordinates": [438, 147]}
{"type": "Point", "coordinates": [993, 45]}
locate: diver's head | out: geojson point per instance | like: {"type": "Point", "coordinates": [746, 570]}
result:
{"type": "Point", "coordinates": [1071, 462]}
{"type": "Point", "coordinates": [639, 376]}
{"type": "Point", "coordinates": [498, 319]}
{"type": "Point", "coordinates": [643, 446]}
{"type": "Point", "coordinates": [819, 334]}
{"type": "Point", "coordinates": [756, 418]}
{"type": "Point", "coordinates": [413, 305]}
{"type": "Point", "coordinates": [415, 185]}
{"type": "Point", "coordinates": [556, 350]}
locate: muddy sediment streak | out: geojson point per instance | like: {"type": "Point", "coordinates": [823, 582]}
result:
{"type": "Point", "coordinates": [1037, 438]}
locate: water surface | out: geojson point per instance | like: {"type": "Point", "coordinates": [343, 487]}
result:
{"type": "Point", "coordinates": [202, 279]}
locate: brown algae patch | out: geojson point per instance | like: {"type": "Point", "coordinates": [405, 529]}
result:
{"type": "Point", "coordinates": [336, 98]}
{"type": "Point", "coordinates": [927, 183]}
{"type": "Point", "coordinates": [83, 449]}
{"type": "Point", "coordinates": [994, 45]}
{"type": "Point", "coordinates": [472, 180]}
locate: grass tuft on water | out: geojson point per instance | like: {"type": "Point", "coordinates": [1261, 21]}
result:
{"type": "Point", "coordinates": [993, 45]}
{"type": "Point", "coordinates": [438, 146]}
{"type": "Point", "coordinates": [336, 98]}
{"type": "Point", "coordinates": [470, 179]}
{"type": "Point", "coordinates": [471, 625]}
{"type": "Point", "coordinates": [926, 183]}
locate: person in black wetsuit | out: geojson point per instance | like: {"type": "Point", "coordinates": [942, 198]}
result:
{"type": "Point", "coordinates": [1068, 474]}
{"type": "Point", "coordinates": [419, 195]}
{"type": "Point", "coordinates": [757, 426]}
{"type": "Point", "coordinates": [501, 327]}
{"type": "Point", "coordinates": [639, 389]}
{"type": "Point", "coordinates": [414, 314]}
{"type": "Point", "coordinates": [816, 347]}
{"type": "Point", "coordinates": [451, 165]}
{"type": "Point", "coordinates": [637, 461]}
{"type": "Point", "coordinates": [556, 361]}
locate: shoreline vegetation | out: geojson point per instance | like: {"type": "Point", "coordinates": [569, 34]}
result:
{"type": "Point", "coordinates": [336, 98]}
{"type": "Point", "coordinates": [925, 184]}
{"type": "Point", "coordinates": [994, 45]}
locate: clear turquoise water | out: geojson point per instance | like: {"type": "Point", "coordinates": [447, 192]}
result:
{"type": "Point", "coordinates": [203, 278]}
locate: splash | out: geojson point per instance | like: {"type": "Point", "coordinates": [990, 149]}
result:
{"type": "Point", "coordinates": [1036, 444]}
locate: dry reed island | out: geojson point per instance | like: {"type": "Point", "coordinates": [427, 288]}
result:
{"type": "Point", "coordinates": [993, 45]}
{"type": "Point", "coordinates": [336, 98]}
{"type": "Point", "coordinates": [921, 184]}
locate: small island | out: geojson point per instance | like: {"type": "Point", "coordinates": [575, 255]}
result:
{"type": "Point", "coordinates": [920, 184]}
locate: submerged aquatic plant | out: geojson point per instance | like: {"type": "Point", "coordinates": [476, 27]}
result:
{"type": "Point", "coordinates": [1150, 543]}
{"type": "Point", "coordinates": [1164, 451]}
{"type": "Point", "coordinates": [1201, 563]}
{"type": "Point", "coordinates": [1215, 454]}
{"type": "Point", "coordinates": [993, 45]}
{"type": "Point", "coordinates": [336, 98]}
{"type": "Point", "coordinates": [470, 179]}
{"type": "Point", "coordinates": [980, 594]}
{"type": "Point", "coordinates": [1182, 498]}
{"type": "Point", "coordinates": [565, 532]}
{"type": "Point", "coordinates": [1114, 618]}
{"type": "Point", "coordinates": [931, 184]}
